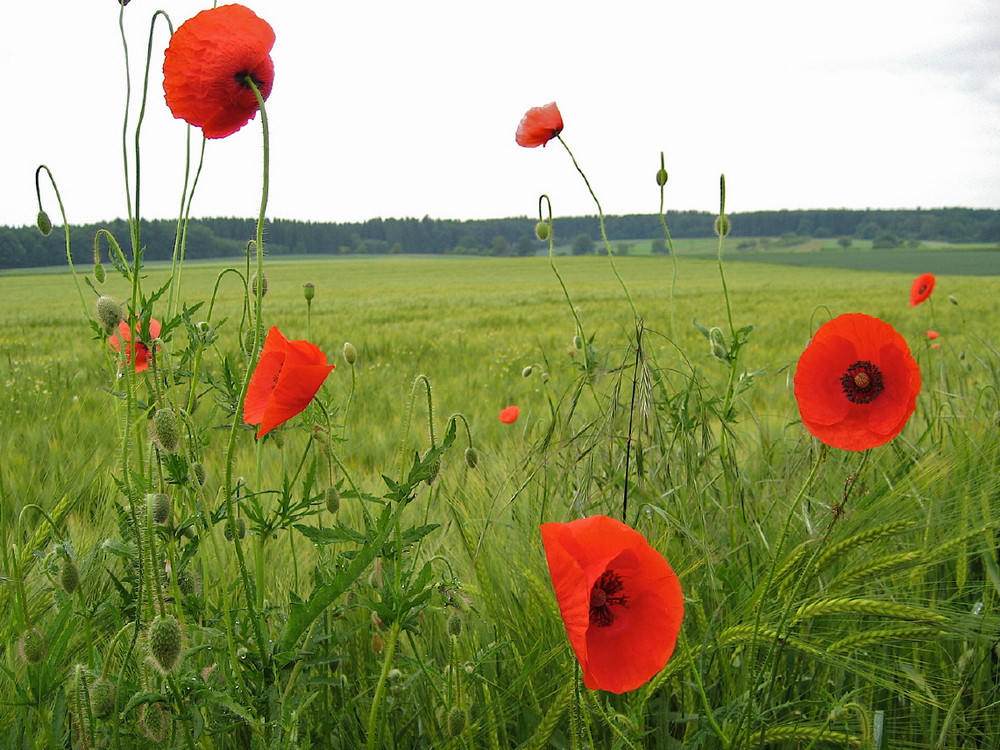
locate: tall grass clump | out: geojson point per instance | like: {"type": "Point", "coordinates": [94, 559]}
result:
{"type": "Point", "coordinates": [238, 512]}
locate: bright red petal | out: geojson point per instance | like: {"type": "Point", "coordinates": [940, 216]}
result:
{"type": "Point", "coordinates": [539, 126]}
{"type": "Point", "coordinates": [509, 414]}
{"type": "Point", "coordinates": [921, 288]}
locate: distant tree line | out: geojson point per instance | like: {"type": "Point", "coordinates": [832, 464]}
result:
{"type": "Point", "coordinates": [227, 237]}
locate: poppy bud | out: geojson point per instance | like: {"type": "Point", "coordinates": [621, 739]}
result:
{"type": "Point", "coordinates": [187, 582]}
{"type": "Point", "coordinates": [165, 643]}
{"type": "Point", "coordinates": [31, 646]}
{"type": "Point", "coordinates": [455, 624]}
{"type": "Point", "coordinates": [350, 353]}
{"type": "Point", "coordinates": [166, 430]}
{"type": "Point", "coordinates": [578, 342]}
{"type": "Point", "coordinates": [526, 372]}
{"type": "Point", "coordinates": [953, 299]}
{"type": "Point", "coordinates": [102, 697]}
{"type": "Point", "coordinates": [661, 177]}
{"type": "Point", "coordinates": [154, 722]}
{"type": "Point", "coordinates": [99, 273]}
{"type": "Point", "coordinates": [722, 225]}
{"type": "Point", "coordinates": [263, 286]}
{"type": "Point", "coordinates": [471, 457]}
{"type": "Point", "coordinates": [377, 643]}
{"type": "Point", "coordinates": [718, 344]}
{"type": "Point", "coordinates": [109, 313]}
{"type": "Point", "coordinates": [434, 467]}
{"type": "Point", "coordinates": [241, 529]}
{"type": "Point", "coordinates": [44, 223]}
{"type": "Point", "coordinates": [457, 719]}
{"type": "Point", "coordinates": [69, 576]}
{"type": "Point", "coordinates": [159, 507]}
{"type": "Point", "coordinates": [309, 291]}
{"type": "Point", "coordinates": [332, 498]}
{"type": "Point", "coordinates": [542, 230]}
{"type": "Point", "coordinates": [198, 472]}
{"type": "Point", "coordinates": [394, 675]}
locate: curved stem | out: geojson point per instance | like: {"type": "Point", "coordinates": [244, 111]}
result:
{"type": "Point", "coordinates": [62, 213]}
{"type": "Point", "coordinates": [390, 648]}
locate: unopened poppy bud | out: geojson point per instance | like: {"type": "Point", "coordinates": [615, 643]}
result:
{"type": "Point", "coordinates": [350, 353]}
{"type": "Point", "coordinates": [198, 472]}
{"type": "Point", "coordinates": [69, 576]}
{"type": "Point", "coordinates": [166, 430]}
{"type": "Point", "coordinates": [99, 273]}
{"type": "Point", "coordinates": [953, 299]}
{"type": "Point", "coordinates": [394, 675]}
{"type": "Point", "coordinates": [526, 372]}
{"type": "Point", "coordinates": [722, 225]}
{"type": "Point", "coordinates": [165, 643]}
{"type": "Point", "coordinates": [661, 177]}
{"type": "Point", "coordinates": [154, 722]}
{"type": "Point", "coordinates": [309, 291]}
{"type": "Point", "coordinates": [44, 223]}
{"type": "Point", "coordinates": [457, 719]}
{"type": "Point", "coordinates": [434, 468]}
{"type": "Point", "coordinates": [263, 285]}
{"type": "Point", "coordinates": [471, 457]}
{"type": "Point", "coordinates": [542, 230]}
{"type": "Point", "coordinates": [31, 646]}
{"type": "Point", "coordinates": [455, 624]}
{"type": "Point", "coordinates": [332, 499]}
{"type": "Point", "coordinates": [241, 529]}
{"type": "Point", "coordinates": [578, 342]}
{"type": "Point", "coordinates": [718, 344]}
{"type": "Point", "coordinates": [109, 313]}
{"type": "Point", "coordinates": [159, 507]}
{"type": "Point", "coordinates": [187, 582]}
{"type": "Point", "coordinates": [102, 697]}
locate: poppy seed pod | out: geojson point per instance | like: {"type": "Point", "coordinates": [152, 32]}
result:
{"type": "Point", "coordinates": [109, 313]}
{"type": "Point", "coordinates": [166, 430]}
{"type": "Point", "coordinates": [165, 643]}
{"type": "Point", "coordinates": [31, 646]}
{"type": "Point", "coordinates": [542, 230]}
{"type": "Point", "coordinates": [661, 177]}
{"type": "Point", "coordinates": [350, 353]}
{"type": "Point", "coordinates": [44, 223]}
{"type": "Point", "coordinates": [309, 291]}
{"type": "Point", "coordinates": [159, 507]}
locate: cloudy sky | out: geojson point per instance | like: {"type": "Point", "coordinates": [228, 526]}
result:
{"type": "Point", "coordinates": [398, 108]}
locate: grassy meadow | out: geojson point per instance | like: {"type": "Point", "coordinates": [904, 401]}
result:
{"type": "Point", "coordinates": [832, 599]}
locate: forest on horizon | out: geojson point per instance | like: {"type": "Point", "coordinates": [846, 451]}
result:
{"type": "Point", "coordinates": [26, 247]}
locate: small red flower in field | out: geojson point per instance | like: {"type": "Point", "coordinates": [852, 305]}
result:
{"type": "Point", "coordinates": [935, 346]}
{"type": "Point", "coordinates": [856, 383]}
{"type": "Point", "coordinates": [509, 415]}
{"type": "Point", "coordinates": [620, 601]}
{"type": "Point", "coordinates": [921, 289]}
{"type": "Point", "coordinates": [932, 335]}
{"type": "Point", "coordinates": [286, 379]}
{"type": "Point", "coordinates": [206, 65]}
{"type": "Point", "coordinates": [136, 352]}
{"type": "Point", "coordinates": [539, 126]}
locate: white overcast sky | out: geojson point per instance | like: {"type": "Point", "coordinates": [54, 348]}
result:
{"type": "Point", "coordinates": [402, 108]}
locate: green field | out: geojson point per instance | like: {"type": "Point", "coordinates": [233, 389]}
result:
{"type": "Point", "coordinates": [849, 610]}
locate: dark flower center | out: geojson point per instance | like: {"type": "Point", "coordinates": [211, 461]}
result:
{"type": "Point", "coordinates": [862, 382]}
{"type": "Point", "coordinates": [241, 79]}
{"type": "Point", "coordinates": [603, 596]}
{"type": "Point", "coordinates": [922, 289]}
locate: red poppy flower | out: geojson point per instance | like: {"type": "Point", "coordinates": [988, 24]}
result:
{"type": "Point", "coordinates": [856, 383]}
{"type": "Point", "coordinates": [206, 65]}
{"type": "Point", "coordinates": [136, 352]}
{"type": "Point", "coordinates": [286, 379]}
{"type": "Point", "coordinates": [539, 126]}
{"type": "Point", "coordinates": [509, 415]}
{"type": "Point", "coordinates": [932, 335]}
{"type": "Point", "coordinates": [620, 601]}
{"type": "Point", "coordinates": [921, 289]}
